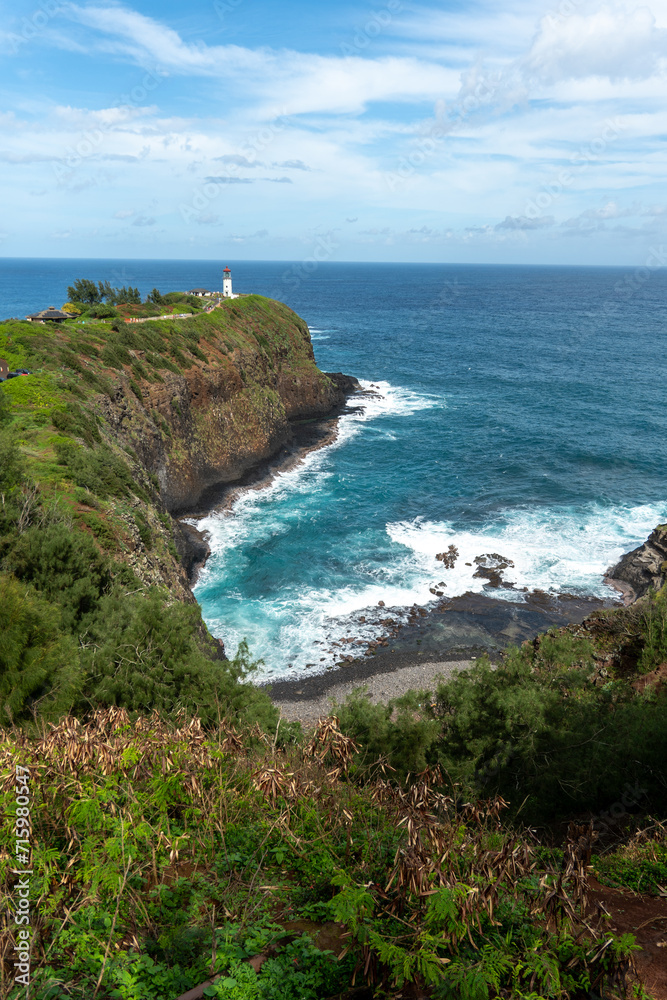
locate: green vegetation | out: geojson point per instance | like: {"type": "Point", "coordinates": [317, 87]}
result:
{"type": "Point", "coordinates": [547, 730]}
{"type": "Point", "coordinates": [164, 855]}
{"type": "Point", "coordinates": [87, 292]}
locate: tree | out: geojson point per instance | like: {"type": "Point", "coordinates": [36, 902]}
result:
{"type": "Point", "coordinates": [85, 291]}
{"type": "Point", "coordinates": [73, 308]}
{"type": "Point", "coordinates": [106, 291]}
{"type": "Point", "coordinates": [65, 566]}
{"type": "Point", "coordinates": [155, 297]}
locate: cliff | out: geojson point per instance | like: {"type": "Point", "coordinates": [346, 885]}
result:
{"type": "Point", "coordinates": [174, 406]}
{"type": "Point", "coordinates": [232, 405]}
{"type": "Point", "coordinates": [643, 568]}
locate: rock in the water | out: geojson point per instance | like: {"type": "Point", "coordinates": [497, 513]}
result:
{"type": "Point", "coordinates": [448, 558]}
{"type": "Point", "coordinates": [490, 567]}
{"type": "Point", "coordinates": [192, 547]}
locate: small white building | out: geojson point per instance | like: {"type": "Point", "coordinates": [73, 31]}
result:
{"type": "Point", "coordinates": [227, 285]}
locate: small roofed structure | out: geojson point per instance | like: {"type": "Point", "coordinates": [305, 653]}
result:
{"type": "Point", "coordinates": [50, 315]}
{"type": "Point", "coordinates": [200, 292]}
{"type": "Point", "coordinates": [4, 370]}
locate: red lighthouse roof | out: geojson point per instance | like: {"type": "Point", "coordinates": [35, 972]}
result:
{"type": "Point", "coordinates": [226, 271]}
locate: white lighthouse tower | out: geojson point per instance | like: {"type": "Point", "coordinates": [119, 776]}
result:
{"type": "Point", "coordinates": [227, 285]}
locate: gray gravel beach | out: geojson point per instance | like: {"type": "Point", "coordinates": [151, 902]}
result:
{"type": "Point", "coordinates": [381, 687]}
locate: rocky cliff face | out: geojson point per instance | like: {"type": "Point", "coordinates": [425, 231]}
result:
{"type": "Point", "coordinates": [644, 567]}
{"type": "Point", "coordinates": [227, 410]}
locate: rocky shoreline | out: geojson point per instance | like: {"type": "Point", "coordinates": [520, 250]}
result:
{"type": "Point", "coordinates": [306, 435]}
{"type": "Point", "coordinates": [642, 569]}
{"type": "Point", "coordinates": [448, 633]}
{"type": "Point", "coordinates": [436, 642]}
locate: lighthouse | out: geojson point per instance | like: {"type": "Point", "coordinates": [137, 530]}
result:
{"type": "Point", "coordinates": [227, 285]}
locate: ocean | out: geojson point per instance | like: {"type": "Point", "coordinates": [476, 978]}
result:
{"type": "Point", "coordinates": [516, 410]}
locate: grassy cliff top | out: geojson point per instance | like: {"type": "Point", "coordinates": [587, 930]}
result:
{"type": "Point", "coordinates": [72, 364]}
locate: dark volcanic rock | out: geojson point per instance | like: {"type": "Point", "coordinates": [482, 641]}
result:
{"type": "Point", "coordinates": [346, 385]}
{"type": "Point", "coordinates": [490, 567]}
{"type": "Point", "coordinates": [644, 567]}
{"type": "Point", "coordinates": [192, 547]}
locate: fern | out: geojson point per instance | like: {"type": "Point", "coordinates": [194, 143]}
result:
{"type": "Point", "coordinates": [352, 905]}
{"type": "Point", "coordinates": [443, 909]}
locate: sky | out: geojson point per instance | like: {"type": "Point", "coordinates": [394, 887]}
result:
{"type": "Point", "coordinates": [521, 132]}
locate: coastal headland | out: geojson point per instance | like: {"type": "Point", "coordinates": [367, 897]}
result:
{"type": "Point", "coordinates": [127, 428]}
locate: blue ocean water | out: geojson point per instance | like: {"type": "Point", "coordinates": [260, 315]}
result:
{"type": "Point", "coordinates": [518, 410]}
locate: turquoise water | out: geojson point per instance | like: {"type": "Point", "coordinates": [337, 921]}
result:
{"type": "Point", "coordinates": [518, 410]}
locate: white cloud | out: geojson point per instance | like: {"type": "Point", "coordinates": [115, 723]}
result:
{"type": "Point", "coordinates": [614, 42]}
{"type": "Point", "coordinates": [236, 160]}
{"type": "Point", "coordinates": [306, 82]}
{"type": "Point", "coordinates": [208, 219]}
{"type": "Point", "coordinates": [522, 222]}
{"type": "Point", "coordinates": [229, 180]}
{"type": "Point", "coordinates": [293, 165]}
{"type": "Point", "coordinates": [504, 91]}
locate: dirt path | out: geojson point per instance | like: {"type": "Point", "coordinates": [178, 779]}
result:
{"type": "Point", "coordinates": [646, 918]}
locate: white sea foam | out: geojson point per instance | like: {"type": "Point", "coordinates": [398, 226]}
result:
{"type": "Point", "coordinates": [553, 549]}
{"type": "Point", "coordinates": [309, 474]}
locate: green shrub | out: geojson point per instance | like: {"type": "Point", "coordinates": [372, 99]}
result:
{"type": "Point", "coordinates": [5, 408]}
{"type": "Point", "coordinates": [99, 470]}
{"type": "Point", "coordinates": [547, 737]}
{"type": "Point", "coordinates": [654, 622]}
{"type": "Point", "coordinates": [38, 662]}
{"type": "Point", "coordinates": [398, 731]}
{"type": "Point", "coordinates": [145, 533]}
{"type": "Point", "coordinates": [198, 353]}
{"type": "Point", "coordinates": [540, 730]}
{"type": "Point", "coordinates": [114, 355]}
{"type": "Point", "coordinates": [142, 655]}
{"type": "Point", "coordinates": [102, 530]}
{"type": "Point", "coordinates": [12, 464]}
{"type": "Point", "coordinates": [65, 566]}
{"type": "Point", "coordinates": [103, 312]}
{"type": "Point", "coordinates": [77, 423]}
{"type": "Point", "coordinates": [640, 867]}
